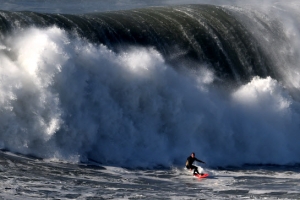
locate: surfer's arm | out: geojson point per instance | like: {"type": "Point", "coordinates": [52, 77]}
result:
{"type": "Point", "coordinates": [200, 161]}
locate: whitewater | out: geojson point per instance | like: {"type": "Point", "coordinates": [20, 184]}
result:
{"type": "Point", "coordinates": [106, 100]}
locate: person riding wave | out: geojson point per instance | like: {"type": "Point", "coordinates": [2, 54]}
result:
{"type": "Point", "coordinates": [189, 163]}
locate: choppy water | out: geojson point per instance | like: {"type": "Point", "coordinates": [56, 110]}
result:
{"type": "Point", "coordinates": [31, 178]}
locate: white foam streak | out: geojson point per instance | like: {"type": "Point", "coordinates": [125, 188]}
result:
{"type": "Point", "coordinates": [263, 93]}
{"type": "Point", "coordinates": [28, 106]}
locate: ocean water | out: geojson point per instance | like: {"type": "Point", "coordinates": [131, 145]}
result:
{"type": "Point", "coordinates": [32, 178]}
{"type": "Point", "coordinates": [106, 100]}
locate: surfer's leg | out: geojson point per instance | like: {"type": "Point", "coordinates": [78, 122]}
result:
{"type": "Point", "coordinates": [195, 169]}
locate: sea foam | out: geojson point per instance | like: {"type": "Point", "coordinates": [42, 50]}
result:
{"type": "Point", "coordinates": [63, 97]}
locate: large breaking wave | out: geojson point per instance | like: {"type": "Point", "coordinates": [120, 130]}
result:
{"type": "Point", "coordinates": [146, 87]}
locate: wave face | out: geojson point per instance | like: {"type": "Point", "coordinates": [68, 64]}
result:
{"type": "Point", "coordinates": [182, 34]}
{"type": "Point", "coordinates": [146, 87]}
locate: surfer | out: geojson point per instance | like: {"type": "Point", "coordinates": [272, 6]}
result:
{"type": "Point", "coordinates": [189, 163]}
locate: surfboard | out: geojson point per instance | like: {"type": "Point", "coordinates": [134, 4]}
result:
{"type": "Point", "coordinates": [201, 176]}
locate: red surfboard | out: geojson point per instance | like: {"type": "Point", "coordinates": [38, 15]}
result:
{"type": "Point", "coordinates": [201, 176]}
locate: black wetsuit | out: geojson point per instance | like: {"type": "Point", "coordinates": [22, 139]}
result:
{"type": "Point", "coordinates": [189, 164]}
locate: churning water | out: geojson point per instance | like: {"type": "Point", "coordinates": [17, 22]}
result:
{"type": "Point", "coordinates": [133, 89]}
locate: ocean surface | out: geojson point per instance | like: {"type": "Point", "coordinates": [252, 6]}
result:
{"type": "Point", "coordinates": [106, 99]}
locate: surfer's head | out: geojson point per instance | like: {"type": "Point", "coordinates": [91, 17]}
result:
{"type": "Point", "coordinates": [193, 154]}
